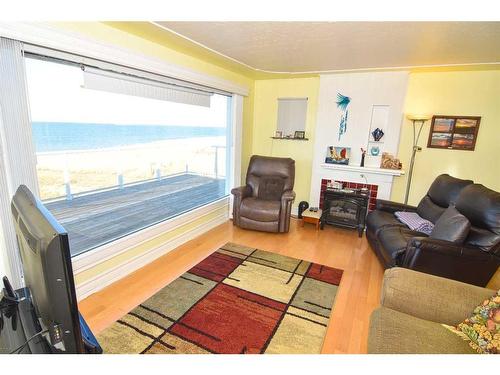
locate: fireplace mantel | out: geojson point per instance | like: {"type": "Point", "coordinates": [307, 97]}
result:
{"type": "Point", "coordinates": [364, 170]}
{"type": "Point", "coordinates": [379, 177]}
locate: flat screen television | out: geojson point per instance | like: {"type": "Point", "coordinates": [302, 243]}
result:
{"type": "Point", "coordinates": [48, 275]}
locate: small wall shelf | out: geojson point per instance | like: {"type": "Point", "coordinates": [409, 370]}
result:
{"type": "Point", "coordinates": [291, 139]}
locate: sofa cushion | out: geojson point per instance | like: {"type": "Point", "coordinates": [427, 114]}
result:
{"type": "Point", "coordinates": [445, 189]}
{"type": "Point", "coordinates": [482, 329]}
{"type": "Point", "coordinates": [484, 239]}
{"type": "Point", "coordinates": [263, 226]}
{"type": "Point", "coordinates": [481, 206]}
{"type": "Point", "coordinates": [377, 219]}
{"type": "Point", "coordinates": [394, 240]}
{"type": "Point", "coordinates": [440, 300]}
{"type": "Point", "coordinates": [394, 332]}
{"type": "Point", "coordinates": [451, 226]}
{"type": "Point", "coordinates": [271, 188]}
{"type": "Point", "coordinates": [429, 210]}
{"type": "Point", "coordinates": [260, 209]}
{"type": "Point", "coordinates": [443, 192]}
{"type": "Point", "coordinates": [262, 166]}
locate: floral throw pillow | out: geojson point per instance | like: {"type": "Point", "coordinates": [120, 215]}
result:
{"type": "Point", "coordinates": [482, 329]}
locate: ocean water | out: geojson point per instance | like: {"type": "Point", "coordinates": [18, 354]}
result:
{"type": "Point", "coordinates": [64, 136]}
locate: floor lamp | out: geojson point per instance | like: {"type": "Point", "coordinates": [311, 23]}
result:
{"type": "Point", "coordinates": [416, 121]}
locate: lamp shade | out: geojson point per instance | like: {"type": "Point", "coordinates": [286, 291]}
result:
{"type": "Point", "coordinates": [418, 117]}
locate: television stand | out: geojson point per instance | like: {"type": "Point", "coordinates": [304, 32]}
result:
{"type": "Point", "coordinates": [18, 323]}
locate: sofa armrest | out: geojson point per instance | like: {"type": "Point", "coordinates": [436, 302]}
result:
{"type": "Point", "coordinates": [288, 196]}
{"type": "Point", "coordinates": [242, 191]}
{"type": "Point", "coordinates": [239, 193]}
{"type": "Point", "coordinates": [287, 199]}
{"type": "Point", "coordinates": [468, 264]}
{"type": "Point", "coordinates": [392, 207]}
{"type": "Point", "coordinates": [430, 297]}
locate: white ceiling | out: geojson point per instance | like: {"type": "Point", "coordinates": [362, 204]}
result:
{"type": "Point", "coordinates": [330, 46]}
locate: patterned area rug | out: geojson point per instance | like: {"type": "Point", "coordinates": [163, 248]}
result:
{"type": "Point", "coordinates": [237, 300]}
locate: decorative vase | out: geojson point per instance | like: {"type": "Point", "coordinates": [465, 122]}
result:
{"type": "Point", "coordinates": [377, 134]}
{"type": "Point", "coordinates": [362, 160]}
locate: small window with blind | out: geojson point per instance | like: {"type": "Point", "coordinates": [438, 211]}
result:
{"type": "Point", "coordinates": [117, 153]}
{"type": "Point", "coordinates": [292, 114]}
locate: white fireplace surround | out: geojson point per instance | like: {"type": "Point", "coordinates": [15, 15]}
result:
{"type": "Point", "coordinates": [383, 178]}
{"type": "Point", "coordinates": [368, 91]}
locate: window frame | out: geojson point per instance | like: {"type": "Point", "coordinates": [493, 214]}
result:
{"type": "Point", "coordinates": [116, 246]}
{"type": "Point", "coordinates": [41, 39]}
{"type": "Point", "coordinates": [38, 37]}
{"type": "Point", "coordinates": [287, 121]}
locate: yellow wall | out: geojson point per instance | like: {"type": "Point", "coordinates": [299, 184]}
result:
{"type": "Point", "coordinates": [462, 92]}
{"type": "Point", "coordinates": [265, 120]}
{"type": "Point", "coordinates": [467, 93]}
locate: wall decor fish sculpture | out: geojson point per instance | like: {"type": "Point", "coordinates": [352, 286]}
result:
{"type": "Point", "coordinates": [342, 103]}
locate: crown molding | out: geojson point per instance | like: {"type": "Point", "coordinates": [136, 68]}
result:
{"type": "Point", "coordinates": [266, 74]}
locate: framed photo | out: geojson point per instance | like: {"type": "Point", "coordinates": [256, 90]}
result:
{"type": "Point", "coordinates": [278, 134]}
{"type": "Point", "coordinates": [299, 134]}
{"type": "Point", "coordinates": [338, 155]}
{"type": "Point", "coordinates": [454, 132]}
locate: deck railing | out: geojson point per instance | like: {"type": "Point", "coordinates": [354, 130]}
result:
{"type": "Point", "coordinates": [217, 155]}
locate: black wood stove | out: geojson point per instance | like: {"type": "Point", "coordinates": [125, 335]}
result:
{"type": "Point", "coordinates": [346, 208]}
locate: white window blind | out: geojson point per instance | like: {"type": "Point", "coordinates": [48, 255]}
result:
{"type": "Point", "coordinates": [17, 156]}
{"type": "Point", "coordinates": [98, 79]}
{"type": "Point", "coordinates": [292, 115]}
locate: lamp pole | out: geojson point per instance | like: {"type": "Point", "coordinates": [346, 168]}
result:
{"type": "Point", "coordinates": [416, 135]}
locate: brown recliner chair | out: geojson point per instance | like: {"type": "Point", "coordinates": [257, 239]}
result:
{"type": "Point", "coordinates": [265, 202]}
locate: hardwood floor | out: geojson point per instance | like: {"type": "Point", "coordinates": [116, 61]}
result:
{"type": "Point", "coordinates": [358, 294]}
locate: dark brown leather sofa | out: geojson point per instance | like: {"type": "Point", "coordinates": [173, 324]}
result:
{"type": "Point", "coordinates": [265, 202]}
{"type": "Point", "coordinates": [474, 261]}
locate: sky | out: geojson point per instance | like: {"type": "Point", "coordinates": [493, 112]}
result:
{"type": "Point", "coordinates": [56, 95]}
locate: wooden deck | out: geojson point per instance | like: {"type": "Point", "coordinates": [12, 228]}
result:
{"type": "Point", "coordinates": [97, 218]}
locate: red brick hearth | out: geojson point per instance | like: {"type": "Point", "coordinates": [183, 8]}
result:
{"type": "Point", "coordinates": [352, 185]}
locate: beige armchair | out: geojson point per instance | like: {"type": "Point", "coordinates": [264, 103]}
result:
{"type": "Point", "coordinates": [413, 307]}
{"type": "Point", "coordinates": [265, 202]}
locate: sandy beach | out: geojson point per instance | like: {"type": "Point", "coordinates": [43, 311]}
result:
{"type": "Point", "coordinates": [96, 169]}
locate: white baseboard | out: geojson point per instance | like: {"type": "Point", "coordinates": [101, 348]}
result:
{"type": "Point", "coordinates": [102, 280]}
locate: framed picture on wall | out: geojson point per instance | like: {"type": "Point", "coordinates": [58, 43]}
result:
{"type": "Point", "coordinates": [299, 134]}
{"type": "Point", "coordinates": [338, 155]}
{"type": "Point", "coordinates": [454, 132]}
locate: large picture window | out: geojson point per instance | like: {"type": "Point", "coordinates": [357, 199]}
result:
{"type": "Point", "coordinates": [116, 156]}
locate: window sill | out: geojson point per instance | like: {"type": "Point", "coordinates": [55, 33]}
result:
{"type": "Point", "coordinates": [102, 253]}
